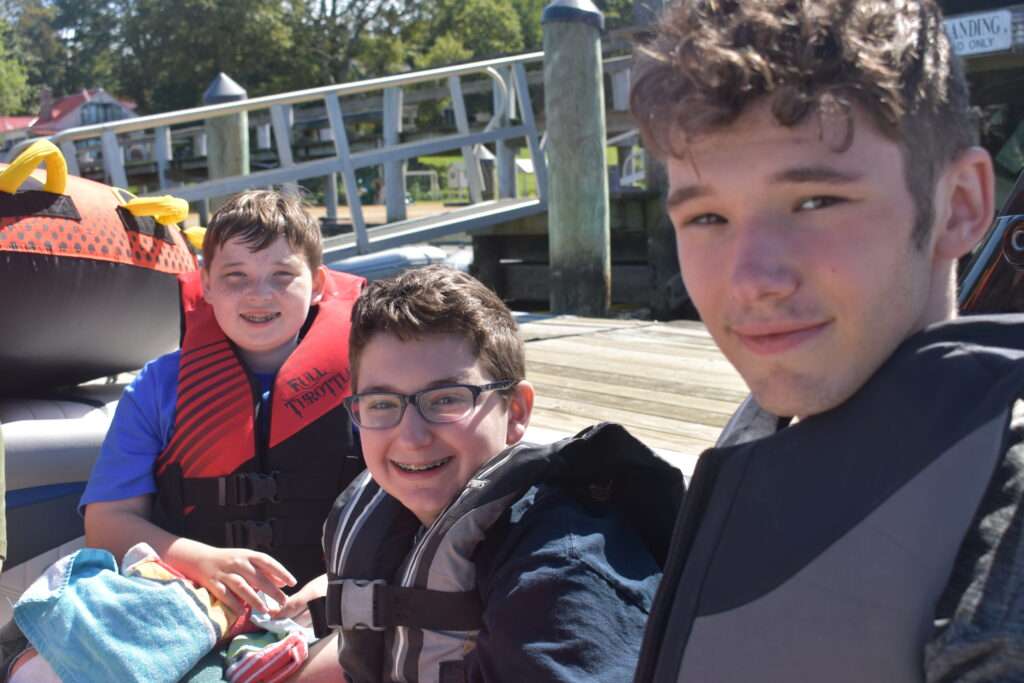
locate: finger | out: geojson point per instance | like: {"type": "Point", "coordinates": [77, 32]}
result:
{"type": "Point", "coordinates": [241, 588]}
{"type": "Point", "coordinates": [273, 569]}
{"type": "Point", "coordinates": [221, 593]}
{"type": "Point", "coordinates": [260, 582]}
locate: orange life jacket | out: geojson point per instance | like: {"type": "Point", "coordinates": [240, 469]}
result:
{"type": "Point", "coordinates": [217, 481]}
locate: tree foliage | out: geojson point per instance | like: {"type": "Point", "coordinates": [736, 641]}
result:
{"type": "Point", "coordinates": [163, 53]}
{"type": "Point", "coordinates": [13, 76]}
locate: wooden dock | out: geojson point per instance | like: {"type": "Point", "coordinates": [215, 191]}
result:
{"type": "Point", "coordinates": [666, 382]}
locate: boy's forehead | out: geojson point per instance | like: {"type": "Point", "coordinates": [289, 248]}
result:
{"type": "Point", "coordinates": [388, 360]}
{"type": "Point", "coordinates": [756, 141]}
{"type": "Point", "coordinates": [238, 250]}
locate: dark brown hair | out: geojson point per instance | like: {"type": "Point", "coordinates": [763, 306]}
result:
{"type": "Point", "coordinates": [439, 300]}
{"type": "Point", "coordinates": [257, 218]}
{"type": "Point", "coordinates": [709, 60]}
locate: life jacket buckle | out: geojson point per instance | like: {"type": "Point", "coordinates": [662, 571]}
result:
{"type": "Point", "coordinates": [250, 533]}
{"type": "Point", "coordinates": [359, 602]}
{"type": "Point", "coordinates": [248, 488]}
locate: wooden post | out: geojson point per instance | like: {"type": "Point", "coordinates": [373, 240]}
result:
{"type": "Point", "coordinates": [227, 137]}
{"type": "Point", "coordinates": [578, 224]}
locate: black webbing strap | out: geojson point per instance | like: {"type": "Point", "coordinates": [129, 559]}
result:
{"type": "Point", "coordinates": [38, 203]}
{"type": "Point", "coordinates": [318, 614]}
{"type": "Point", "coordinates": [257, 534]}
{"type": "Point", "coordinates": [253, 488]}
{"type": "Point", "coordinates": [412, 607]}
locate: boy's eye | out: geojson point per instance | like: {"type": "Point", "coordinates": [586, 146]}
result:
{"type": "Point", "coordinates": [379, 403]}
{"type": "Point", "coordinates": [705, 219]}
{"type": "Point", "coordinates": [820, 202]}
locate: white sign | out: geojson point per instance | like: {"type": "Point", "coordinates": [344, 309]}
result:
{"type": "Point", "coordinates": [975, 34]}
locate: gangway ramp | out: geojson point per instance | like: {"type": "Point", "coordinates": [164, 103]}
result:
{"type": "Point", "coordinates": [463, 219]}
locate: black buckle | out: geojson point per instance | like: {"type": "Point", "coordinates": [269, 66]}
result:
{"type": "Point", "coordinates": [247, 488]}
{"type": "Point", "coordinates": [249, 533]}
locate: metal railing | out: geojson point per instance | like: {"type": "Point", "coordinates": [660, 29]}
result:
{"type": "Point", "coordinates": [510, 87]}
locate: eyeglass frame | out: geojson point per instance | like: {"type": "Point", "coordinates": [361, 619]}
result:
{"type": "Point", "coordinates": [406, 399]}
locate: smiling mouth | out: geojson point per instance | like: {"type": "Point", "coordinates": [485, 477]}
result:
{"type": "Point", "coordinates": [769, 341]}
{"type": "Point", "coordinates": [405, 467]}
{"type": "Point", "coordinates": [261, 318]}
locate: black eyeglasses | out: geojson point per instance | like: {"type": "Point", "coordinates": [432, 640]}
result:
{"type": "Point", "coordinates": [447, 403]}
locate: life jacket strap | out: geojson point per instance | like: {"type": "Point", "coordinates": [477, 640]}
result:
{"type": "Point", "coordinates": [254, 488]}
{"type": "Point", "coordinates": [365, 604]}
{"type": "Point", "coordinates": [258, 534]}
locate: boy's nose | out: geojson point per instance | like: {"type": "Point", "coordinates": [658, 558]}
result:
{"type": "Point", "coordinates": [763, 263]}
{"type": "Point", "coordinates": [413, 430]}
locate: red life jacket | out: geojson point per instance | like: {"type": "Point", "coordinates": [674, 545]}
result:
{"type": "Point", "coordinates": [216, 481]}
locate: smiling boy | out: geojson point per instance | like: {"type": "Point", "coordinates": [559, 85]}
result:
{"type": "Point", "coordinates": [463, 554]}
{"type": "Point", "coordinates": [859, 519]}
{"type": "Point", "coordinates": [214, 458]}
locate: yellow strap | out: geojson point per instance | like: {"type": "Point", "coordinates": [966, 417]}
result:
{"type": "Point", "coordinates": [166, 209]}
{"type": "Point", "coordinates": [21, 168]}
{"type": "Point", "coordinates": [195, 237]}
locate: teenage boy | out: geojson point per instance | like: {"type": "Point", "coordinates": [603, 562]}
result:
{"type": "Point", "coordinates": [860, 518]}
{"type": "Point", "coordinates": [238, 443]}
{"type": "Point", "coordinates": [462, 554]}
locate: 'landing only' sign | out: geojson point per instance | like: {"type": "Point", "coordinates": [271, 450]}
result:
{"type": "Point", "coordinates": [975, 34]}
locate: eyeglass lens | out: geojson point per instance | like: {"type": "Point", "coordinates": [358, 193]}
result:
{"type": "Point", "coordinates": [444, 404]}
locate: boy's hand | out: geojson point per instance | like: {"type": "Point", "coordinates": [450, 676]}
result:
{"type": "Point", "coordinates": [296, 603]}
{"type": "Point", "coordinates": [235, 576]}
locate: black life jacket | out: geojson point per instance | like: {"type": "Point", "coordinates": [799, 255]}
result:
{"type": "Point", "coordinates": [215, 482]}
{"type": "Point", "coordinates": [406, 600]}
{"type": "Point", "coordinates": [819, 552]}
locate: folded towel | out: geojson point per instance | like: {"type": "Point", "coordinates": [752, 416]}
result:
{"type": "Point", "coordinates": [94, 625]}
{"type": "Point", "coordinates": [263, 658]}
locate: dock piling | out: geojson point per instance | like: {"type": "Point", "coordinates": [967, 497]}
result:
{"type": "Point", "coordinates": [227, 136]}
{"type": "Point", "coordinates": [578, 219]}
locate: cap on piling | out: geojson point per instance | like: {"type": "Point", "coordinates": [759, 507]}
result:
{"type": "Point", "coordinates": [574, 11]}
{"type": "Point", "coordinates": [224, 89]}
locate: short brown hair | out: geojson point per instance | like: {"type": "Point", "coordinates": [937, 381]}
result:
{"type": "Point", "coordinates": [257, 218]}
{"type": "Point", "coordinates": [439, 300]}
{"type": "Point", "coordinates": [709, 60]}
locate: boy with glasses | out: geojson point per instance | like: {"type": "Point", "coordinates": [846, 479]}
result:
{"type": "Point", "coordinates": [462, 554]}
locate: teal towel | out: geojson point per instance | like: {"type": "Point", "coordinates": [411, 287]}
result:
{"type": "Point", "coordinates": [94, 625]}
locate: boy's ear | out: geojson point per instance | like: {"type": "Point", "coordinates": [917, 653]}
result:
{"type": "Point", "coordinates": [520, 407]}
{"type": "Point", "coordinates": [969, 194]}
{"type": "Point", "coordinates": [319, 281]}
{"type": "Point", "coordinates": [204, 281]}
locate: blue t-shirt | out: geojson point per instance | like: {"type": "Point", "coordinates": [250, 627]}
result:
{"type": "Point", "coordinates": [142, 428]}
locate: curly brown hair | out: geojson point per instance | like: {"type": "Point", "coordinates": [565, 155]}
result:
{"type": "Point", "coordinates": [439, 300]}
{"type": "Point", "coordinates": [709, 60]}
{"type": "Point", "coordinates": [258, 218]}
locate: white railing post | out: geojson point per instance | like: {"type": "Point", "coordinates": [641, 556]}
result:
{"type": "Point", "coordinates": [163, 152]}
{"type": "Point", "coordinates": [113, 163]}
{"type": "Point", "coordinates": [506, 158]}
{"type": "Point", "coordinates": [348, 173]}
{"type": "Point", "coordinates": [469, 158]}
{"type": "Point", "coordinates": [394, 178]}
{"type": "Point", "coordinates": [280, 120]}
{"type": "Point", "coordinates": [540, 168]}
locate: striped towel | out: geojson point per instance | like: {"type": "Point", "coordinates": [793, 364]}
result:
{"type": "Point", "coordinates": [265, 657]}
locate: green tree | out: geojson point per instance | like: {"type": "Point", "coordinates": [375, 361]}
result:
{"type": "Point", "coordinates": [34, 42]}
{"type": "Point", "coordinates": [89, 33]}
{"type": "Point", "coordinates": [488, 27]}
{"type": "Point", "coordinates": [14, 91]}
{"type": "Point", "coordinates": [174, 48]}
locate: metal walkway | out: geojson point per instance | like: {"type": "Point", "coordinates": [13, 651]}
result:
{"type": "Point", "coordinates": [120, 151]}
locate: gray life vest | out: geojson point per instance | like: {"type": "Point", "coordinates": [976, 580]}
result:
{"type": "Point", "coordinates": [819, 552]}
{"type": "Point", "coordinates": [405, 599]}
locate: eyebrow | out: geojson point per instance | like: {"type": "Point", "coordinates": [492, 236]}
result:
{"type": "Point", "coordinates": [681, 195]}
{"type": "Point", "coordinates": [388, 389]}
{"type": "Point", "coordinates": [815, 174]}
